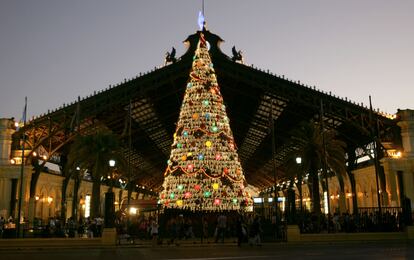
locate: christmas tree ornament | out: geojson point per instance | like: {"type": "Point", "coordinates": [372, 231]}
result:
{"type": "Point", "coordinates": [215, 186]}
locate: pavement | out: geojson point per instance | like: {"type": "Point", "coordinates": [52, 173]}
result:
{"type": "Point", "coordinates": [226, 251]}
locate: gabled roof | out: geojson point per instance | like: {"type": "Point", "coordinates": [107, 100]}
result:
{"type": "Point", "coordinates": [249, 95]}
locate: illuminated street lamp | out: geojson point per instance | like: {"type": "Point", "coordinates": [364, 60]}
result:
{"type": "Point", "coordinates": [298, 160]}
{"type": "Point", "coordinates": [109, 201]}
{"type": "Point", "coordinates": [299, 183]}
{"type": "Point", "coordinates": [112, 163]}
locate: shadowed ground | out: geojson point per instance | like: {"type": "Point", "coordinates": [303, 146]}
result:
{"type": "Point", "coordinates": [350, 250]}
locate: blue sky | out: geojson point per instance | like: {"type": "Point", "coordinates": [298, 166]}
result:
{"type": "Point", "coordinates": [53, 51]}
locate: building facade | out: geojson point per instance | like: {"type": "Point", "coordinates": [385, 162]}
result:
{"type": "Point", "coordinates": [47, 202]}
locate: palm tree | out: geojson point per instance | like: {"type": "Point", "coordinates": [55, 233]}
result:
{"type": "Point", "coordinates": [316, 145]}
{"type": "Point", "coordinates": [93, 152]}
{"type": "Point", "coordinates": [71, 171]}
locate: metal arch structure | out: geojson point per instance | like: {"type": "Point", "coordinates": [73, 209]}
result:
{"type": "Point", "coordinates": [251, 96]}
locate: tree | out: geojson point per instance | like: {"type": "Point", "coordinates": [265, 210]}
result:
{"type": "Point", "coordinates": [74, 172]}
{"type": "Point", "coordinates": [93, 152]}
{"type": "Point", "coordinates": [317, 147]}
{"type": "Point", "coordinates": [203, 172]}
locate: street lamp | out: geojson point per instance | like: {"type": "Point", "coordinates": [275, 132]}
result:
{"type": "Point", "coordinates": [299, 184]}
{"type": "Point", "coordinates": [109, 202]}
{"type": "Point", "coordinates": [112, 163]}
{"type": "Point", "coordinates": [298, 160]}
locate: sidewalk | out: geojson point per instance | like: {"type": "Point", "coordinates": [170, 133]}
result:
{"type": "Point", "coordinates": [177, 243]}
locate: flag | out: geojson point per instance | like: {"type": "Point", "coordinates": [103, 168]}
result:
{"type": "Point", "coordinates": [24, 111]}
{"type": "Point", "coordinates": [22, 120]}
{"type": "Point", "coordinates": [201, 20]}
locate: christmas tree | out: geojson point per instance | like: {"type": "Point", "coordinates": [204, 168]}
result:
{"type": "Point", "coordinates": [204, 171]}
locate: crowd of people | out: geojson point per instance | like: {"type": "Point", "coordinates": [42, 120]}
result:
{"type": "Point", "coordinates": [53, 227]}
{"type": "Point", "coordinates": [213, 228]}
{"type": "Point", "coordinates": [173, 228]}
{"type": "Point", "coordinates": [347, 222]}
{"type": "Point", "coordinates": [168, 229]}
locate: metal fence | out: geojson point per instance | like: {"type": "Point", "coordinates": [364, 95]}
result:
{"type": "Point", "coordinates": [367, 219]}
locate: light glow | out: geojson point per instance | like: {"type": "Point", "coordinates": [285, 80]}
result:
{"type": "Point", "coordinates": [325, 202]}
{"type": "Point", "coordinates": [133, 211]}
{"type": "Point", "coordinates": [87, 206]}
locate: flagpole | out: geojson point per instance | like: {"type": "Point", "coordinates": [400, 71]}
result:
{"type": "Point", "coordinates": [21, 172]}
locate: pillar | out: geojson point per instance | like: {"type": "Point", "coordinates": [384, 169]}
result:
{"type": "Point", "coordinates": [6, 132]}
{"type": "Point", "coordinates": [406, 123]}
{"type": "Point", "coordinates": [13, 198]}
{"type": "Point", "coordinates": [31, 209]}
{"type": "Point", "coordinates": [69, 205]}
{"type": "Point", "coordinates": [5, 197]}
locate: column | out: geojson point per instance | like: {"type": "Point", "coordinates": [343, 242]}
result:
{"type": "Point", "coordinates": [6, 132]}
{"type": "Point", "coordinates": [406, 124]}
{"type": "Point", "coordinates": [5, 197]}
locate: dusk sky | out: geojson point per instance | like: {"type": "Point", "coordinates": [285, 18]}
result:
{"type": "Point", "coordinates": [53, 51]}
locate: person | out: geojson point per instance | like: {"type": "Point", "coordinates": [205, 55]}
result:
{"type": "Point", "coordinates": [205, 228]}
{"type": "Point", "coordinates": [254, 233]}
{"type": "Point", "coordinates": [99, 226]}
{"type": "Point", "coordinates": [2, 223]}
{"type": "Point", "coordinates": [154, 231]}
{"type": "Point", "coordinates": [336, 224]}
{"type": "Point", "coordinates": [221, 227]}
{"type": "Point", "coordinates": [71, 227]}
{"type": "Point", "coordinates": [173, 231]}
{"type": "Point", "coordinates": [240, 230]}
{"type": "Point", "coordinates": [189, 229]}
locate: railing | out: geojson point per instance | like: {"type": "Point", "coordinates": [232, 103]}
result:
{"type": "Point", "coordinates": [368, 219]}
{"type": "Point", "coordinates": [389, 219]}
{"type": "Point", "coordinates": [56, 230]}
{"type": "Point", "coordinates": [388, 210]}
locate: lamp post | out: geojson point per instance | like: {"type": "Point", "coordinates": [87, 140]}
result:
{"type": "Point", "coordinates": [109, 201]}
{"type": "Point", "coordinates": [299, 184]}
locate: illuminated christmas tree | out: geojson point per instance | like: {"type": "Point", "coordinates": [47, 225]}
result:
{"type": "Point", "coordinates": [204, 171]}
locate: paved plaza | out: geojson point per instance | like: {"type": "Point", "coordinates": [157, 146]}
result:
{"type": "Point", "coordinates": [354, 250]}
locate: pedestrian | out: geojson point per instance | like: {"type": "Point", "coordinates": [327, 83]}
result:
{"type": "Point", "coordinates": [189, 229]}
{"type": "Point", "coordinates": [221, 227]}
{"type": "Point", "coordinates": [173, 227]}
{"type": "Point", "coordinates": [240, 230]}
{"type": "Point", "coordinates": [255, 230]}
{"type": "Point", "coordinates": [2, 223]}
{"type": "Point", "coordinates": [205, 228]}
{"type": "Point", "coordinates": [154, 231]}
